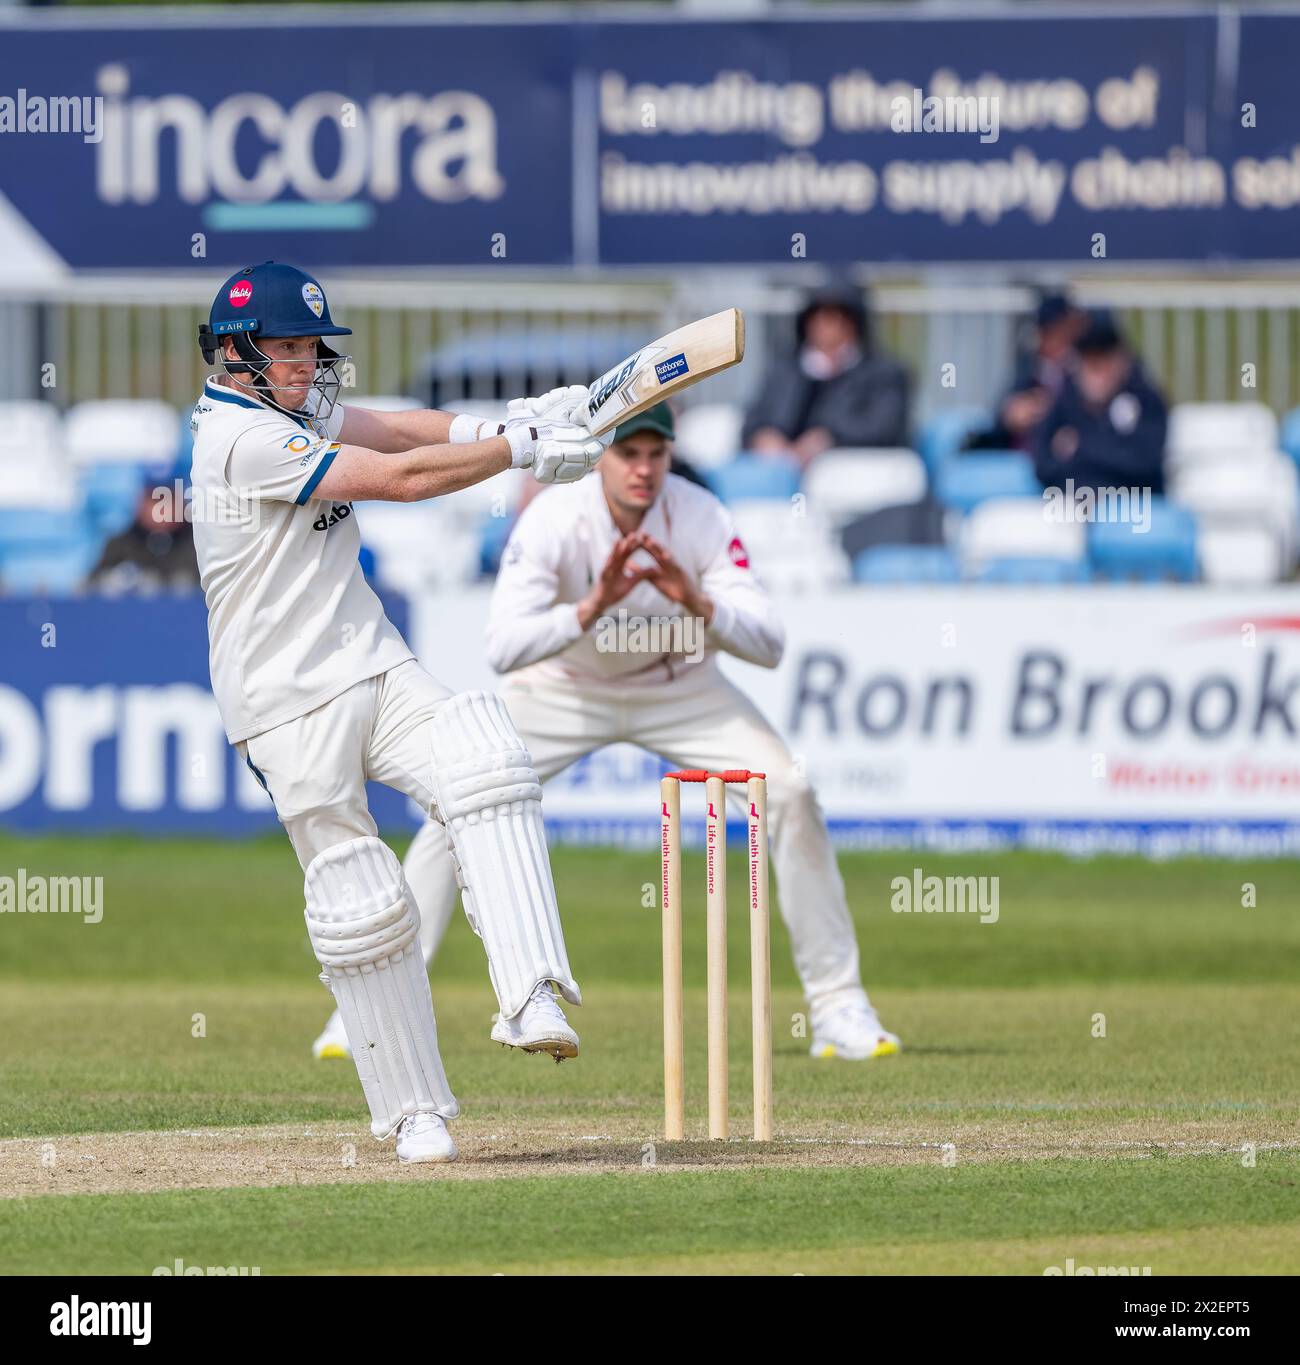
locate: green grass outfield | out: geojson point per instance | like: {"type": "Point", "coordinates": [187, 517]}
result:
{"type": "Point", "coordinates": [157, 1098]}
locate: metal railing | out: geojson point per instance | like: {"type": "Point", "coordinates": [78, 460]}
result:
{"type": "Point", "coordinates": [113, 337]}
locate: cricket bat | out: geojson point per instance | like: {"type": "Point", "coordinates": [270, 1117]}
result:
{"type": "Point", "coordinates": [665, 367]}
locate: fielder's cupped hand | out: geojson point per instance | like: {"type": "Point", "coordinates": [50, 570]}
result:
{"type": "Point", "coordinates": [668, 575]}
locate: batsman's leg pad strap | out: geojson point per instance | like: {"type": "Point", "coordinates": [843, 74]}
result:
{"type": "Point", "coordinates": [491, 802]}
{"type": "Point", "coordinates": [364, 928]}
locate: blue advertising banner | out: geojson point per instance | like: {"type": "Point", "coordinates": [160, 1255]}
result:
{"type": "Point", "coordinates": [419, 145]}
{"type": "Point", "coordinates": [604, 137]}
{"type": "Point", "coordinates": [910, 139]}
{"type": "Point", "coordinates": [107, 722]}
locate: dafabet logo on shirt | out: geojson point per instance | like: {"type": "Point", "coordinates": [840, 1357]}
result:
{"type": "Point", "coordinates": [339, 512]}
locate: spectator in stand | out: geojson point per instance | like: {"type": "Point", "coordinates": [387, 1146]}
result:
{"type": "Point", "coordinates": [837, 391]}
{"type": "Point", "coordinates": [1041, 372]}
{"type": "Point", "coordinates": [154, 554]}
{"type": "Point", "coordinates": [1107, 426]}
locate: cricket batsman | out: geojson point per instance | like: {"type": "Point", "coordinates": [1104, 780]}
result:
{"type": "Point", "coordinates": [639, 540]}
{"type": "Point", "coordinates": [319, 692]}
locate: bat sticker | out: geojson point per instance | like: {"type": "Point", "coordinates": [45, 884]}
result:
{"type": "Point", "coordinates": [666, 370]}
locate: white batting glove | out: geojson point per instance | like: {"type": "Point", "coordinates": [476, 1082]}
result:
{"type": "Point", "coordinates": [556, 452]}
{"type": "Point", "coordinates": [556, 404]}
{"type": "Point", "coordinates": [567, 461]}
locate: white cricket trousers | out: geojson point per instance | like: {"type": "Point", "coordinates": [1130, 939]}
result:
{"type": "Point", "coordinates": [315, 768]}
{"type": "Point", "coordinates": [699, 720]}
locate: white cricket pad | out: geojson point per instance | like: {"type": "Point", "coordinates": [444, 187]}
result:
{"type": "Point", "coordinates": [365, 929]}
{"type": "Point", "coordinates": [490, 800]}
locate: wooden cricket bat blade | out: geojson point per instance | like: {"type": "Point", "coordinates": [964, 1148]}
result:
{"type": "Point", "coordinates": [666, 367]}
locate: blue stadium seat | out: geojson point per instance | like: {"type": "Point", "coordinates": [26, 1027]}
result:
{"type": "Point", "coordinates": [492, 543]}
{"type": "Point", "coordinates": [28, 573]}
{"type": "Point", "coordinates": [968, 480]}
{"type": "Point", "coordinates": [1290, 438]}
{"type": "Point", "coordinates": [1167, 551]}
{"type": "Point", "coordinates": [111, 492]}
{"type": "Point", "coordinates": [46, 551]}
{"type": "Point", "coordinates": [756, 476]}
{"type": "Point", "coordinates": [184, 448]}
{"type": "Point", "coordinates": [26, 528]}
{"type": "Point", "coordinates": [906, 564]}
{"type": "Point", "coordinates": [945, 434]}
{"type": "Point", "coordinates": [1019, 570]}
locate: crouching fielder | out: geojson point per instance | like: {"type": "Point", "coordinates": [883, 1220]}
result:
{"type": "Point", "coordinates": [319, 692]}
{"type": "Point", "coordinates": [633, 543]}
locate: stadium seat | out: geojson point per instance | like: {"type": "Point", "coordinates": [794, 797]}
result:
{"type": "Point", "coordinates": [1014, 570]}
{"type": "Point", "coordinates": [58, 573]}
{"type": "Point", "coordinates": [968, 480]}
{"type": "Point", "coordinates": [794, 551]}
{"type": "Point", "coordinates": [1262, 494]}
{"type": "Point", "coordinates": [1202, 433]}
{"type": "Point", "coordinates": [708, 434]}
{"type": "Point", "coordinates": [138, 431]}
{"type": "Point", "coordinates": [492, 543]}
{"type": "Point", "coordinates": [34, 469]}
{"type": "Point", "coordinates": [945, 433]}
{"type": "Point", "coordinates": [756, 476]}
{"type": "Point", "coordinates": [906, 564]}
{"type": "Point", "coordinates": [111, 493]}
{"type": "Point", "coordinates": [184, 448]}
{"type": "Point", "coordinates": [847, 483]}
{"type": "Point", "coordinates": [418, 546]}
{"type": "Point", "coordinates": [1290, 438]}
{"type": "Point", "coordinates": [1166, 551]}
{"type": "Point", "coordinates": [496, 496]}
{"type": "Point", "coordinates": [1239, 556]}
{"type": "Point", "coordinates": [1019, 529]}
{"type": "Point", "coordinates": [46, 550]}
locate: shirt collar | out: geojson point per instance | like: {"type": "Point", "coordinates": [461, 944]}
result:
{"type": "Point", "coordinates": [223, 393]}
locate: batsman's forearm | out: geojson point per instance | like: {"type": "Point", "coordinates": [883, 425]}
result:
{"type": "Point", "coordinates": [433, 470]}
{"type": "Point", "coordinates": [423, 427]}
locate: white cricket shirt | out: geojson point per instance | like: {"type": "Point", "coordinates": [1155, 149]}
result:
{"type": "Point", "coordinates": [557, 551]}
{"type": "Point", "coordinates": [292, 622]}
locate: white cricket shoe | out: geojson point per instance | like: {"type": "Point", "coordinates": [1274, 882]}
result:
{"type": "Point", "coordinates": [846, 1026]}
{"type": "Point", "coordinates": [333, 1042]}
{"type": "Point", "coordinates": [424, 1137]}
{"type": "Point", "coordinates": [539, 1027]}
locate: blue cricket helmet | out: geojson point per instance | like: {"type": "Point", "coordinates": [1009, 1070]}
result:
{"type": "Point", "coordinates": [265, 301]}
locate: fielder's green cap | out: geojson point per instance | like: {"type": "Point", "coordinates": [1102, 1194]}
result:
{"type": "Point", "coordinates": [658, 418]}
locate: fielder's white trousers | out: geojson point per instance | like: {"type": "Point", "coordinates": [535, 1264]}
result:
{"type": "Point", "coordinates": [699, 720]}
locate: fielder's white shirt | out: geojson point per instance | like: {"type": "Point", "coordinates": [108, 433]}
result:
{"type": "Point", "coordinates": [556, 553]}
{"type": "Point", "coordinates": [292, 622]}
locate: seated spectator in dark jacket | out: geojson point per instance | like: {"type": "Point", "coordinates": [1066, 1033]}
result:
{"type": "Point", "coordinates": [154, 554]}
{"type": "Point", "coordinates": [1107, 427]}
{"type": "Point", "coordinates": [837, 390]}
{"type": "Point", "coordinates": [1041, 372]}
